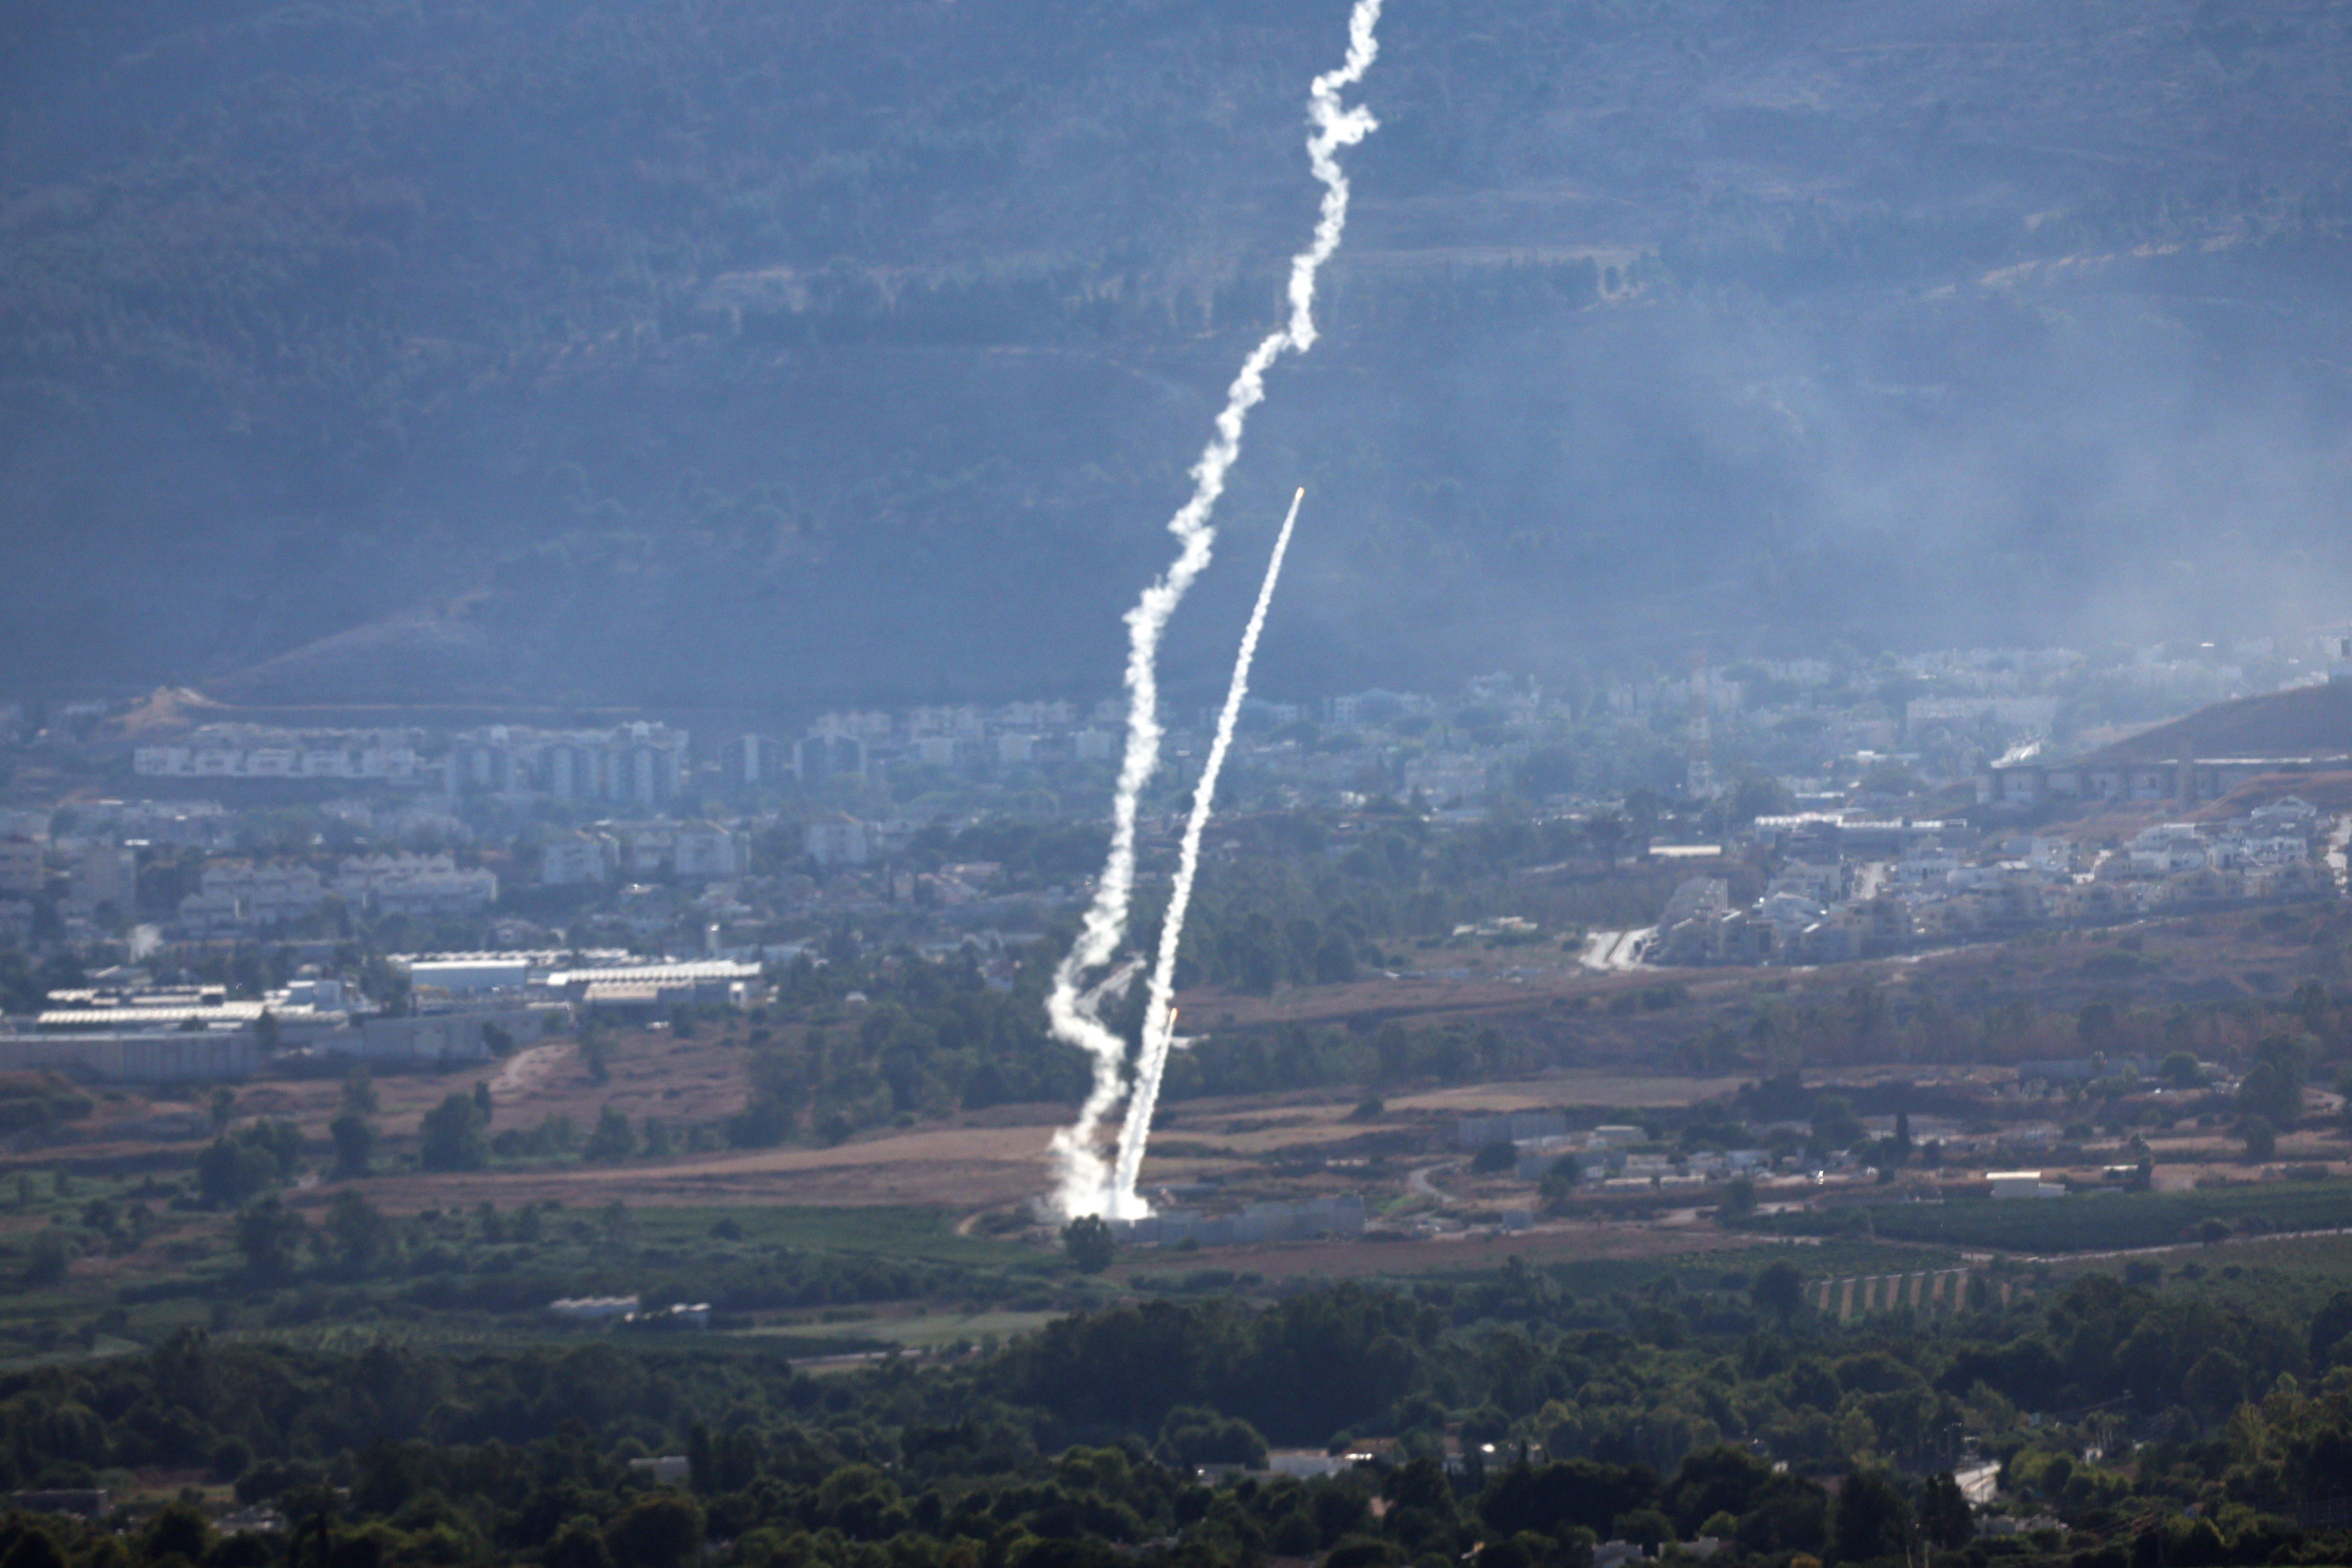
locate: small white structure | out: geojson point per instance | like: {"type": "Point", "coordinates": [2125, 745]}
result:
{"type": "Point", "coordinates": [470, 973]}
{"type": "Point", "coordinates": [2023, 1184]}
{"type": "Point", "coordinates": [665, 1468]}
{"type": "Point", "coordinates": [595, 1308]}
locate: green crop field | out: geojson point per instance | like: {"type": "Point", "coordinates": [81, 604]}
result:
{"type": "Point", "coordinates": [2088, 1222]}
{"type": "Point", "coordinates": [910, 1232]}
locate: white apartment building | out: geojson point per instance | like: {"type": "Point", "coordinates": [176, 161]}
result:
{"type": "Point", "coordinates": [575, 861]}
{"type": "Point", "coordinates": [430, 893]}
{"type": "Point", "coordinates": [705, 850]}
{"type": "Point", "coordinates": [241, 894]}
{"type": "Point", "coordinates": [418, 884]}
{"type": "Point", "coordinates": [257, 752]}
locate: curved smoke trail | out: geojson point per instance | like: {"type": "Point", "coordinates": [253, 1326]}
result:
{"type": "Point", "coordinates": [1159, 1017]}
{"type": "Point", "coordinates": [1074, 1013]}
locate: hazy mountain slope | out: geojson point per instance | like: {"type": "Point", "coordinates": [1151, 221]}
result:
{"type": "Point", "coordinates": [830, 351]}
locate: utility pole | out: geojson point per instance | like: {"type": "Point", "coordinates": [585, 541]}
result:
{"type": "Point", "coordinates": [1701, 782]}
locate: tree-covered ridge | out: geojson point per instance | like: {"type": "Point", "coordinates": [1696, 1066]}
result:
{"type": "Point", "coordinates": [1654, 1414]}
{"type": "Point", "coordinates": [418, 330]}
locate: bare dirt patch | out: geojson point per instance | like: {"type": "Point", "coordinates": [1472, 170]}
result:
{"type": "Point", "coordinates": [1600, 1087]}
{"type": "Point", "coordinates": [955, 1168]}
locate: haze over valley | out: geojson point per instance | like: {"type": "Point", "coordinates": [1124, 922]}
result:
{"type": "Point", "coordinates": [1175, 783]}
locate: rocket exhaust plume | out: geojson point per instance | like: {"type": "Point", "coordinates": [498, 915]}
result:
{"type": "Point", "coordinates": [1074, 1013]}
{"type": "Point", "coordinates": [1160, 1012]}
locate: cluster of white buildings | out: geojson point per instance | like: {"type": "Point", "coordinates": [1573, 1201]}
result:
{"type": "Point", "coordinates": [127, 1030]}
{"type": "Point", "coordinates": [643, 764]}
{"type": "Point", "coordinates": [393, 756]}
{"type": "Point", "coordinates": [1606, 1155]}
{"type": "Point", "coordinates": [241, 896]}
{"type": "Point", "coordinates": [958, 738]}
{"type": "Point", "coordinates": [640, 764]}
{"type": "Point", "coordinates": [690, 851]}
{"type": "Point", "coordinates": [1826, 906]}
{"type": "Point", "coordinates": [93, 868]}
{"type": "Point", "coordinates": [2279, 833]}
{"type": "Point", "coordinates": [865, 744]}
{"type": "Point", "coordinates": [466, 1008]}
{"type": "Point", "coordinates": [599, 983]}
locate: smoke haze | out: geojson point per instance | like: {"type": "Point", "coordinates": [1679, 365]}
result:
{"type": "Point", "coordinates": [764, 352]}
{"type": "Point", "coordinates": [1159, 1017]}
{"type": "Point", "coordinates": [1079, 1188]}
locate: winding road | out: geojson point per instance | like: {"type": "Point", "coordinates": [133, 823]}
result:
{"type": "Point", "coordinates": [1420, 1185]}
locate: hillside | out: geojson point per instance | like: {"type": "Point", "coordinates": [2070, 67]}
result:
{"type": "Point", "coordinates": [831, 351]}
{"type": "Point", "coordinates": [2307, 721]}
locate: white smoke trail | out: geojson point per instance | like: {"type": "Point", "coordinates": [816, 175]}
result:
{"type": "Point", "coordinates": [1159, 1017]}
{"type": "Point", "coordinates": [1080, 1188]}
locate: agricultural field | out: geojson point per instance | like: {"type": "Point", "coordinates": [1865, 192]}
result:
{"type": "Point", "coordinates": [2093, 1222]}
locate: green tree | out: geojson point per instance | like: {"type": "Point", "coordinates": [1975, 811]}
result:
{"type": "Point", "coordinates": [596, 1053]}
{"type": "Point", "coordinates": [577, 1544]}
{"type": "Point", "coordinates": [614, 1139]}
{"type": "Point", "coordinates": [178, 1529]}
{"type": "Point", "coordinates": [1835, 1124]}
{"type": "Point", "coordinates": [1739, 1198]}
{"type": "Point", "coordinates": [452, 1137]}
{"type": "Point", "coordinates": [2214, 1383]}
{"type": "Point", "coordinates": [270, 1235]}
{"type": "Point", "coordinates": [359, 1091]}
{"type": "Point", "coordinates": [34, 1548]}
{"type": "Point", "coordinates": [1754, 796]}
{"type": "Point", "coordinates": [2261, 1138]}
{"type": "Point", "coordinates": [1193, 1435]}
{"type": "Point", "coordinates": [1493, 1158]}
{"type": "Point", "coordinates": [355, 1139]}
{"type": "Point", "coordinates": [2273, 1086]}
{"type": "Point", "coordinates": [1089, 1243]}
{"type": "Point", "coordinates": [237, 1165]}
{"type": "Point", "coordinates": [1944, 1518]}
{"type": "Point", "coordinates": [663, 1531]}
{"type": "Point", "coordinates": [1778, 1288]}
{"type": "Point", "coordinates": [1871, 1519]}
{"type": "Point", "coordinates": [362, 1239]}
{"type": "Point", "coordinates": [1645, 1527]}
{"type": "Point", "coordinates": [1559, 1181]}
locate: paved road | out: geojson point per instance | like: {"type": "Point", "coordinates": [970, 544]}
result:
{"type": "Point", "coordinates": [1422, 1186]}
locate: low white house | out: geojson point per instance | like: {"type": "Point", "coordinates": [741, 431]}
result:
{"type": "Point", "coordinates": [2023, 1184]}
